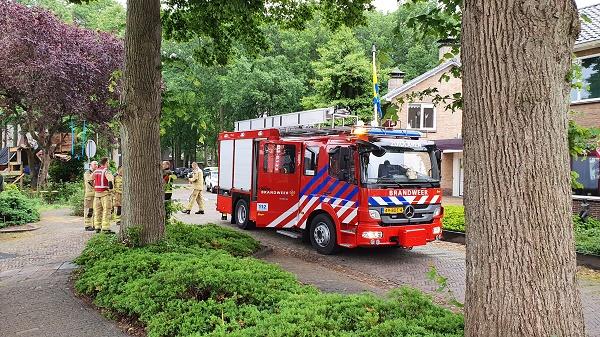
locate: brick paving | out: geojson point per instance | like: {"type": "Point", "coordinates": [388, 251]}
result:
{"type": "Point", "coordinates": [386, 268]}
{"type": "Point", "coordinates": [35, 298]}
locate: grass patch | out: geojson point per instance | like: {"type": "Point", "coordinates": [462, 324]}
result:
{"type": "Point", "coordinates": [200, 281]}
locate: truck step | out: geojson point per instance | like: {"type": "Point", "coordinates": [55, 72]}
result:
{"type": "Point", "coordinates": [291, 234]}
{"type": "Point", "coordinates": [349, 231]}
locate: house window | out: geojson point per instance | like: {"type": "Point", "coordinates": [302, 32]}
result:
{"type": "Point", "coordinates": [590, 69]}
{"type": "Point", "coordinates": [421, 116]}
{"type": "Point", "coordinates": [588, 169]}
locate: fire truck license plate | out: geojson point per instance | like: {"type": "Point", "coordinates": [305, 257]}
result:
{"type": "Point", "coordinates": [393, 210]}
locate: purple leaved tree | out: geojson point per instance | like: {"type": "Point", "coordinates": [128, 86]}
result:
{"type": "Point", "coordinates": [51, 71]}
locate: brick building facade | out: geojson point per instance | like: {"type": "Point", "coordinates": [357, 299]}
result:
{"type": "Point", "coordinates": [445, 127]}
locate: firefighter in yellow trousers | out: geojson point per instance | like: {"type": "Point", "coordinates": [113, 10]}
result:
{"type": "Point", "coordinates": [118, 195]}
{"type": "Point", "coordinates": [197, 181]}
{"type": "Point", "coordinates": [88, 198]}
{"type": "Point", "coordinates": [103, 183]}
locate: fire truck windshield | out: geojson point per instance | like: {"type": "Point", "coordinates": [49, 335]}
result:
{"type": "Point", "coordinates": [400, 166]}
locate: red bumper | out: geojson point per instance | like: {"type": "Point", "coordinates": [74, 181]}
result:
{"type": "Point", "coordinates": [405, 236]}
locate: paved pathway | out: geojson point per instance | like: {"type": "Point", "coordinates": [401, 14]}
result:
{"type": "Point", "coordinates": [387, 268]}
{"type": "Point", "coordinates": [35, 299]}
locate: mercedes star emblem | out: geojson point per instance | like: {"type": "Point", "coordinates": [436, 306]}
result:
{"type": "Point", "coordinates": [409, 212]}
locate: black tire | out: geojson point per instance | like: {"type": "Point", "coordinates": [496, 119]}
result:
{"type": "Point", "coordinates": [242, 214]}
{"type": "Point", "coordinates": [323, 235]}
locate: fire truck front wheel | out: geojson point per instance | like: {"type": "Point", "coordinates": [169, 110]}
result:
{"type": "Point", "coordinates": [323, 235]}
{"type": "Point", "coordinates": [242, 213]}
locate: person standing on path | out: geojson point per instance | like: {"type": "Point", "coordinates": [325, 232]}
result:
{"type": "Point", "coordinates": [168, 179]}
{"type": "Point", "coordinates": [103, 183]}
{"type": "Point", "coordinates": [88, 197]}
{"type": "Point", "coordinates": [118, 194]}
{"type": "Point", "coordinates": [197, 181]}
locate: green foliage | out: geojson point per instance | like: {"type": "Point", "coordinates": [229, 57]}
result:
{"type": "Point", "coordinates": [184, 287]}
{"type": "Point", "coordinates": [587, 235]}
{"type": "Point", "coordinates": [221, 26]}
{"type": "Point", "coordinates": [103, 15]}
{"type": "Point", "coordinates": [63, 172]}
{"type": "Point", "coordinates": [582, 139]}
{"type": "Point", "coordinates": [62, 193]}
{"type": "Point", "coordinates": [75, 202]}
{"type": "Point", "coordinates": [343, 75]}
{"type": "Point", "coordinates": [454, 218]}
{"type": "Point", "coordinates": [17, 208]}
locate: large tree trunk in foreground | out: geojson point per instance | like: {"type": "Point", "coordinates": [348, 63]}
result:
{"type": "Point", "coordinates": [520, 250]}
{"type": "Point", "coordinates": [142, 183]}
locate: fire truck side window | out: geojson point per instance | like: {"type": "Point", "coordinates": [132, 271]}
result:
{"type": "Point", "coordinates": [341, 164]}
{"type": "Point", "coordinates": [311, 158]}
{"type": "Point", "coordinates": [279, 158]}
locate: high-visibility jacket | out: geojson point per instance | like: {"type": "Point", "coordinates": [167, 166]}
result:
{"type": "Point", "coordinates": [102, 177]}
{"type": "Point", "coordinates": [197, 180]}
{"type": "Point", "coordinates": [118, 184]}
{"type": "Point", "coordinates": [88, 183]}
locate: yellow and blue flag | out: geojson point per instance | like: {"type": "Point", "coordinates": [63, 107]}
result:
{"type": "Point", "coordinates": [376, 100]}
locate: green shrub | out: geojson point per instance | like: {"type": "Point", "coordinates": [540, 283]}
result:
{"type": "Point", "coordinates": [188, 285]}
{"type": "Point", "coordinates": [75, 202]}
{"type": "Point", "coordinates": [587, 235]}
{"type": "Point", "coordinates": [17, 209]}
{"type": "Point", "coordinates": [64, 172]}
{"type": "Point", "coordinates": [454, 218]}
{"type": "Point", "coordinates": [62, 193]}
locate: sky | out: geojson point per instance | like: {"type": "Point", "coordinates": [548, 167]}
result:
{"type": "Point", "coordinates": [390, 5]}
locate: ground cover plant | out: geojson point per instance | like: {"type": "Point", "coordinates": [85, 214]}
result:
{"type": "Point", "coordinates": [201, 281]}
{"type": "Point", "coordinates": [587, 233]}
{"type": "Point", "coordinates": [454, 218]}
{"type": "Point", "coordinates": [16, 208]}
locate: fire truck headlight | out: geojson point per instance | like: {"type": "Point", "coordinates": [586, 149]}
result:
{"type": "Point", "coordinates": [372, 235]}
{"type": "Point", "coordinates": [437, 230]}
{"type": "Point", "coordinates": [437, 211]}
{"type": "Point", "coordinates": [374, 214]}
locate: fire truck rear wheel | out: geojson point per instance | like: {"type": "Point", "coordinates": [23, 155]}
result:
{"type": "Point", "coordinates": [242, 213]}
{"type": "Point", "coordinates": [323, 235]}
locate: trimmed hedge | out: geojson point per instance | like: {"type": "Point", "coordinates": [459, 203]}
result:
{"type": "Point", "coordinates": [587, 234]}
{"type": "Point", "coordinates": [17, 209]}
{"type": "Point", "coordinates": [454, 218]}
{"type": "Point", "coordinates": [191, 285]}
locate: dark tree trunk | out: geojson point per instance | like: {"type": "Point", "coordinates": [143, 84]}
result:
{"type": "Point", "coordinates": [142, 183]}
{"type": "Point", "coordinates": [46, 160]}
{"type": "Point", "coordinates": [520, 249]}
{"type": "Point", "coordinates": [33, 162]}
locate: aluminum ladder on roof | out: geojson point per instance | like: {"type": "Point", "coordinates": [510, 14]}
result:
{"type": "Point", "coordinates": [295, 119]}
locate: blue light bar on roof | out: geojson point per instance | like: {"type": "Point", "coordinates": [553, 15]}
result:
{"type": "Point", "coordinates": [394, 133]}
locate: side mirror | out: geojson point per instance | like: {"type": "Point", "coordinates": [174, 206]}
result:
{"type": "Point", "coordinates": [438, 159]}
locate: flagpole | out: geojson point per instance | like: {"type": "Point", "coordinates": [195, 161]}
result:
{"type": "Point", "coordinates": [375, 112]}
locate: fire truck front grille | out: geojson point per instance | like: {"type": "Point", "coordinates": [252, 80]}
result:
{"type": "Point", "coordinates": [422, 214]}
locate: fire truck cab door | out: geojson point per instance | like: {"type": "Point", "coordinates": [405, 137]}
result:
{"type": "Point", "coordinates": [279, 170]}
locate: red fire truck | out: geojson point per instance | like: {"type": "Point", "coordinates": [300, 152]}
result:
{"type": "Point", "coordinates": [338, 187]}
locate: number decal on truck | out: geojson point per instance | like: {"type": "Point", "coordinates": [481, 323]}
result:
{"type": "Point", "coordinates": [262, 207]}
